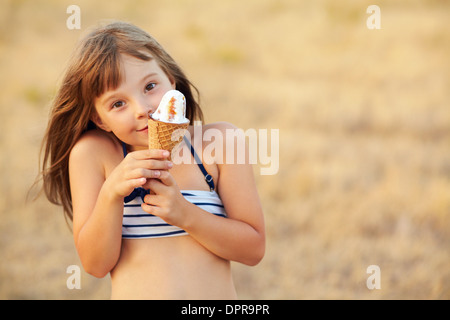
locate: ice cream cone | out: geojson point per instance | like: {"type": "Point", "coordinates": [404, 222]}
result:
{"type": "Point", "coordinates": [164, 135]}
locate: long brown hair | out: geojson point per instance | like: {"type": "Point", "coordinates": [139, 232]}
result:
{"type": "Point", "coordinates": [93, 69]}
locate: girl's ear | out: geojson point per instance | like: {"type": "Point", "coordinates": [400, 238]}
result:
{"type": "Point", "coordinates": [99, 123]}
{"type": "Point", "coordinates": [172, 82]}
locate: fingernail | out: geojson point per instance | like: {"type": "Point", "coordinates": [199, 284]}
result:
{"type": "Point", "coordinates": [170, 164]}
{"type": "Point", "coordinates": [166, 153]}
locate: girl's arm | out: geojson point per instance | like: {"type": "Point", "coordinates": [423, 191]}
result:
{"type": "Point", "coordinates": [98, 188]}
{"type": "Point", "coordinates": [241, 236]}
{"type": "Point", "coordinates": [96, 212]}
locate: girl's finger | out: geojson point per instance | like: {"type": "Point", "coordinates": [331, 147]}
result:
{"type": "Point", "coordinates": [155, 185]}
{"type": "Point", "coordinates": [149, 154]}
{"type": "Point", "coordinates": [154, 210]}
{"type": "Point", "coordinates": [136, 183]}
{"type": "Point", "coordinates": [143, 173]}
{"type": "Point", "coordinates": [156, 164]}
{"type": "Point", "coordinates": [151, 199]}
{"type": "Point", "coordinates": [167, 179]}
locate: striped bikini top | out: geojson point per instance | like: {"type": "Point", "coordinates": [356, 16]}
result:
{"type": "Point", "coordinates": [138, 224]}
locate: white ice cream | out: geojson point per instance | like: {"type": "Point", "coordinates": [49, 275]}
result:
{"type": "Point", "coordinates": [172, 108]}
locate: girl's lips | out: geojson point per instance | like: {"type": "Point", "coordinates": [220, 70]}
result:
{"type": "Point", "coordinates": [144, 129]}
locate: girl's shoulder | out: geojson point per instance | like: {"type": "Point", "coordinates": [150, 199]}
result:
{"type": "Point", "coordinates": [96, 144]}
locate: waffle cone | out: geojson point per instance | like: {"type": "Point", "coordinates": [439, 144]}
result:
{"type": "Point", "coordinates": [163, 135]}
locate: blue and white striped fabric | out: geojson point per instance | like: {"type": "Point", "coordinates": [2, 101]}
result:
{"type": "Point", "coordinates": [138, 224]}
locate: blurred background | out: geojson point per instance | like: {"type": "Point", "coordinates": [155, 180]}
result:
{"type": "Point", "coordinates": [364, 123]}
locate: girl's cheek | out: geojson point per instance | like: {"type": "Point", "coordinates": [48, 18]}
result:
{"type": "Point", "coordinates": [154, 103]}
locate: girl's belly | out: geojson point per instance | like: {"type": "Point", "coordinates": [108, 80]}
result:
{"type": "Point", "coordinates": [170, 268]}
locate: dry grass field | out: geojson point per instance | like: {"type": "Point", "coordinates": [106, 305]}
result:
{"type": "Point", "coordinates": [364, 137]}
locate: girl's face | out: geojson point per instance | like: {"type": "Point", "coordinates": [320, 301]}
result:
{"type": "Point", "coordinates": [124, 111]}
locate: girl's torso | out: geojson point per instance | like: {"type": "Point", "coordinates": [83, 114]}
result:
{"type": "Point", "coordinates": [171, 267]}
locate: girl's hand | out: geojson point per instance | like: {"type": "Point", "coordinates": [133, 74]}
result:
{"type": "Point", "coordinates": [135, 169]}
{"type": "Point", "coordinates": [166, 200]}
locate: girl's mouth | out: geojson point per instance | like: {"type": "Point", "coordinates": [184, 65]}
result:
{"type": "Point", "coordinates": [142, 130]}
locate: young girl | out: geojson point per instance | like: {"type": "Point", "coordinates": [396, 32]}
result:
{"type": "Point", "coordinates": [177, 241]}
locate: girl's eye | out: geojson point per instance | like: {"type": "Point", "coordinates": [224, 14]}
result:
{"type": "Point", "coordinates": [150, 86]}
{"type": "Point", "coordinates": [118, 104]}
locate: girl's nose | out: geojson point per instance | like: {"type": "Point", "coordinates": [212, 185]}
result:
{"type": "Point", "coordinates": [142, 109]}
